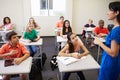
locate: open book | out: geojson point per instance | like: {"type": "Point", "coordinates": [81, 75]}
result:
{"type": "Point", "coordinates": [67, 60]}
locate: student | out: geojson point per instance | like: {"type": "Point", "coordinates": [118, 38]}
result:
{"type": "Point", "coordinates": [110, 66]}
{"type": "Point", "coordinates": [32, 36]}
{"type": "Point", "coordinates": [59, 25]}
{"type": "Point", "coordinates": [33, 22]}
{"type": "Point", "coordinates": [71, 49]}
{"type": "Point", "coordinates": [66, 28]}
{"type": "Point", "coordinates": [90, 24]}
{"type": "Point", "coordinates": [7, 25]}
{"type": "Point", "coordinates": [14, 49]}
{"type": "Point", "coordinates": [101, 31]}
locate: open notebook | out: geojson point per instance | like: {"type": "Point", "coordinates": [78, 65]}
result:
{"type": "Point", "coordinates": [67, 60]}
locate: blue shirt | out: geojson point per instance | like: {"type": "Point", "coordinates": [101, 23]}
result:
{"type": "Point", "coordinates": [110, 66]}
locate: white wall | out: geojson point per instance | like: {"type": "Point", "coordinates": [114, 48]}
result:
{"type": "Point", "coordinates": [19, 12]}
{"type": "Point", "coordinates": [77, 11]}
{"type": "Point", "coordinates": [84, 10]}
{"type": "Point", "coordinates": [13, 9]}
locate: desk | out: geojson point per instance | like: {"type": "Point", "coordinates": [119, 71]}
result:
{"type": "Point", "coordinates": [61, 40]}
{"type": "Point", "coordinates": [89, 29]}
{"type": "Point", "coordinates": [38, 43]}
{"type": "Point", "coordinates": [3, 33]}
{"type": "Point", "coordinates": [24, 67]}
{"type": "Point", "coordinates": [86, 63]}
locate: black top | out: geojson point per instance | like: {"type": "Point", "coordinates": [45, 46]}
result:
{"type": "Point", "coordinates": [87, 25]}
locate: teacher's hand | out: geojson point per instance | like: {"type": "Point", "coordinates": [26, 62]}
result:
{"type": "Point", "coordinates": [97, 41]}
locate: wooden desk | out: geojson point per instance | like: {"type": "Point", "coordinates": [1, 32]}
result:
{"type": "Point", "coordinates": [24, 67]}
{"type": "Point", "coordinates": [86, 63]}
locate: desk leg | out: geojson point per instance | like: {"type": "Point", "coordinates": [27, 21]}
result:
{"type": "Point", "coordinates": [28, 76]}
{"type": "Point", "coordinates": [98, 53]}
{"type": "Point", "coordinates": [41, 54]}
{"type": "Point", "coordinates": [61, 75]}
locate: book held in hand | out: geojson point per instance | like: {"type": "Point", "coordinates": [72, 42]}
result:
{"type": "Point", "coordinates": [67, 60]}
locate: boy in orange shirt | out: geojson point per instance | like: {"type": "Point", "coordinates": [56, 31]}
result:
{"type": "Point", "coordinates": [14, 49]}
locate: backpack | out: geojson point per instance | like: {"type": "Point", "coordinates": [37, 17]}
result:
{"type": "Point", "coordinates": [53, 62]}
{"type": "Point", "coordinates": [35, 73]}
{"type": "Point", "coordinates": [37, 61]}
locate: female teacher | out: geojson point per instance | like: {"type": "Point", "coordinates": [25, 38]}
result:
{"type": "Point", "coordinates": [110, 66]}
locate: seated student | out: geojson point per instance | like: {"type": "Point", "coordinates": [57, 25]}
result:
{"type": "Point", "coordinates": [7, 25]}
{"type": "Point", "coordinates": [33, 22]}
{"type": "Point", "coordinates": [90, 24]}
{"type": "Point", "coordinates": [14, 49]}
{"type": "Point", "coordinates": [59, 25]}
{"type": "Point", "coordinates": [32, 36]}
{"type": "Point", "coordinates": [71, 49]}
{"type": "Point", "coordinates": [66, 28]}
{"type": "Point", "coordinates": [101, 31]}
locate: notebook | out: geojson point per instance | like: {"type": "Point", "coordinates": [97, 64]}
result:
{"type": "Point", "coordinates": [67, 60]}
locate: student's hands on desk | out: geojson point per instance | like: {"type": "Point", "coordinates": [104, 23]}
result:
{"type": "Point", "coordinates": [76, 55]}
{"type": "Point", "coordinates": [17, 61]}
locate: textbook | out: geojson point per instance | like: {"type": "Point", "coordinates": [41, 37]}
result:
{"type": "Point", "coordinates": [67, 60]}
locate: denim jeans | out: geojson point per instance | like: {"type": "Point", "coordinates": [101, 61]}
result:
{"type": "Point", "coordinates": [32, 50]}
{"type": "Point", "coordinates": [79, 73]}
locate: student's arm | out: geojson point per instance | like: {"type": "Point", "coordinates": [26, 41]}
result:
{"type": "Point", "coordinates": [4, 54]}
{"type": "Point", "coordinates": [25, 56]}
{"type": "Point", "coordinates": [38, 37]}
{"type": "Point", "coordinates": [11, 27]}
{"type": "Point", "coordinates": [86, 52]}
{"type": "Point", "coordinates": [113, 51]}
{"type": "Point", "coordinates": [101, 35]}
{"type": "Point", "coordinates": [63, 52]}
{"type": "Point", "coordinates": [61, 32]}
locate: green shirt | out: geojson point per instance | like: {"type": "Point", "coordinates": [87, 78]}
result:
{"type": "Point", "coordinates": [30, 35]}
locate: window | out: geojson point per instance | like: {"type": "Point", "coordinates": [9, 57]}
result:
{"type": "Point", "coordinates": [47, 7]}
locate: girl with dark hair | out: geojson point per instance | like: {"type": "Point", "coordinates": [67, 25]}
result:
{"type": "Point", "coordinates": [7, 25]}
{"type": "Point", "coordinates": [110, 66]}
{"type": "Point", "coordinates": [72, 49]}
{"type": "Point", "coordinates": [66, 27]}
